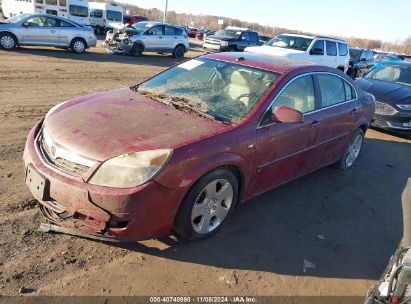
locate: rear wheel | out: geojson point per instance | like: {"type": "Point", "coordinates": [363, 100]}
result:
{"type": "Point", "coordinates": [232, 48]}
{"type": "Point", "coordinates": [207, 205]}
{"type": "Point", "coordinates": [352, 151]}
{"type": "Point", "coordinates": [137, 50]}
{"type": "Point", "coordinates": [78, 46]}
{"type": "Point", "coordinates": [8, 41]}
{"type": "Point", "coordinates": [179, 51]}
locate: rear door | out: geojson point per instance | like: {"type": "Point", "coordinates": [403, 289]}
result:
{"type": "Point", "coordinates": [170, 37]}
{"type": "Point", "coordinates": [67, 32]}
{"type": "Point", "coordinates": [331, 54]}
{"type": "Point", "coordinates": [339, 111]}
{"type": "Point", "coordinates": [154, 38]}
{"type": "Point", "coordinates": [287, 150]}
{"type": "Point", "coordinates": [40, 31]}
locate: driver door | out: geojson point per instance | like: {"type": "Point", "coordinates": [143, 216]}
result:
{"type": "Point", "coordinates": [244, 41]}
{"type": "Point", "coordinates": [40, 31]}
{"type": "Point", "coordinates": [154, 38]}
{"type": "Point", "coordinates": [285, 150]}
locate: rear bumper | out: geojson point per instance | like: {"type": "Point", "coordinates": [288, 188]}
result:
{"type": "Point", "coordinates": [128, 214]}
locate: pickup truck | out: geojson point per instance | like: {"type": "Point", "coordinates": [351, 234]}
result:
{"type": "Point", "coordinates": [232, 39]}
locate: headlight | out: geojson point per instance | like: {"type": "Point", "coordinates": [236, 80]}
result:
{"type": "Point", "coordinates": [406, 107]}
{"type": "Point", "coordinates": [130, 170]}
{"type": "Point", "coordinates": [224, 43]}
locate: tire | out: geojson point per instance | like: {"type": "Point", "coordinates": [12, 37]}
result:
{"type": "Point", "coordinates": [78, 46]}
{"type": "Point", "coordinates": [352, 151]}
{"type": "Point", "coordinates": [207, 205]}
{"type": "Point", "coordinates": [179, 52]}
{"type": "Point", "coordinates": [8, 41]}
{"type": "Point", "coordinates": [232, 48]}
{"type": "Point", "coordinates": [137, 50]}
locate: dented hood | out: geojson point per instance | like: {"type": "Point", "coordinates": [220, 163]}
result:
{"type": "Point", "coordinates": [103, 125]}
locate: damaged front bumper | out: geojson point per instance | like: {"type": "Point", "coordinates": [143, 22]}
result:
{"type": "Point", "coordinates": [118, 42]}
{"type": "Point", "coordinates": [69, 202]}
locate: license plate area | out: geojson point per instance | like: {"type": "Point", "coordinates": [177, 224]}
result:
{"type": "Point", "coordinates": [38, 184]}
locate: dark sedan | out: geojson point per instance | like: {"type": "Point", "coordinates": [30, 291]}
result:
{"type": "Point", "coordinates": [390, 83]}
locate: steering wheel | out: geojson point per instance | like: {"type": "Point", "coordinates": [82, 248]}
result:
{"type": "Point", "coordinates": [242, 96]}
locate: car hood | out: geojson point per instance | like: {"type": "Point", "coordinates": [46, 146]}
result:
{"type": "Point", "coordinates": [103, 125]}
{"type": "Point", "coordinates": [389, 92]}
{"type": "Point", "coordinates": [273, 50]}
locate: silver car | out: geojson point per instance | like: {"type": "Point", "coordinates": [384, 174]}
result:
{"type": "Point", "coordinates": [45, 30]}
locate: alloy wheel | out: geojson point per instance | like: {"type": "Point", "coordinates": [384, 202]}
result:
{"type": "Point", "coordinates": [7, 42]}
{"type": "Point", "coordinates": [212, 206]}
{"type": "Point", "coordinates": [353, 150]}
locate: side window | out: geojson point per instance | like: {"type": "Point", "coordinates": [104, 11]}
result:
{"type": "Point", "coordinates": [168, 30]}
{"type": "Point", "coordinates": [318, 48]}
{"type": "Point", "coordinates": [51, 2]}
{"type": "Point", "coordinates": [331, 48]}
{"type": "Point", "coordinates": [39, 1]}
{"type": "Point", "coordinates": [178, 31]}
{"type": "Point", "coordinates": [342, 49]}
{"type": "Point", "coordinates": [349, 91]}
{"type": "Point", "coordinates": [65, 24]}
{"type": "Point", "coordinates": [245, 36]}
{"type": "Point", "coordinates": [253, 36]}
{"type": "Point", "coordinates": [97, 13]}
{"type": "Point", "coordinates": [62, 2]}
{"type": "Point", "coordinates": [41, 22]}
{"type": "Point", "coordinates": [155, 30]}
{"type": "Point", "coordinates": [299, 95]}
{"type": "Point", "coordinates": [51, 12]}
{"type": "Point", "coordinates": [332, 89]}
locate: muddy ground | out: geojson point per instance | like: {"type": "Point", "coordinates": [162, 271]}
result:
{"type": "Point", "coordinates": [347, 223]}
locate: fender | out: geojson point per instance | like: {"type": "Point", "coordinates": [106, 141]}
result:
{"type": "Point", "coordinates": [195, 168]}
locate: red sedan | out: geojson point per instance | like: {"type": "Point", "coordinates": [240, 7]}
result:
{"type": "Point", "coordinates": [192, 32]}
{"type": "Point", "coordinates": [181, 150]}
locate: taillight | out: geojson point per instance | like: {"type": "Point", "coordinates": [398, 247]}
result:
{"type": "Point", "coordinates": [104, 22]}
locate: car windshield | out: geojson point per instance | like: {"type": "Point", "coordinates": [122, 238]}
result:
{"type": "Point", "coordinates": [218, 90]}
{"type": "Point", "coordinates": [290, 42]}
{"type": "Point", "coordinates": [392, 73]}
{"type": "Point", "coordinates": [141, 26]}
{"type": "Point", "coordinates": [355, 54]}
{"type": "Point", "coordinates": [114, 16]}
{"type": "Point", "coordinates": [228, 33]}
{"type": "Point", "coordinates": [18, 18]}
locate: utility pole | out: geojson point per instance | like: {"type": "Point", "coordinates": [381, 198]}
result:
{"type": "Point", "coordinates": [165, 12]}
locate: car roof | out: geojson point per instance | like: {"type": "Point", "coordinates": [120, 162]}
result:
{"type": "Point", "coordinates": [313, 37]}
{"type": "Point", "coordinates": [406, 64]}
{"type": "Point", "coordinates": [279, 64]}
{"type": "Point", "coordinates": [51, 16]}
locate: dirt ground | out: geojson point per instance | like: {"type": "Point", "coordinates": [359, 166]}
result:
{"type": "Point", "coordinates": [347, 223]}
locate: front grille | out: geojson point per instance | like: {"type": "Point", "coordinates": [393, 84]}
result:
{"type": "Point", "coordinates": [212, 41]}
{"type": "Point", "coordinates": [384, 109]}
{"type": "Point", "coordinates": [61, 163]}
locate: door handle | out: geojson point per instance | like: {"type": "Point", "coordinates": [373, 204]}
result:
{"type": "Point", "coordinates": [160, 37]}
{"type": "Point", "coordinates": [314, 123]}
{"type": "Point", "coordinates": [53, 31]}
{"type": "Point", "coordinates": [355, 110]}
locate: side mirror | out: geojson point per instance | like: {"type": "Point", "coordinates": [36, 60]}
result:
{"type": "Point", "coordinates": [362, 60]}
{"type": "Point", "coordinates": [316, 51]}
{"type": "Point", "coordinates": [287, 115]}
{"type": "Point", "coordinates": [26, 24]}
{"type": "Point", "coordinates": [362, 75]}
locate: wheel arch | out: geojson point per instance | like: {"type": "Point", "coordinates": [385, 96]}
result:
{"type": "Point", "coordinates": [181, 44]}
{"type": "Point", "coordinates": [11, 33]}
{"type": "Point", "coordinates": [81, 38]}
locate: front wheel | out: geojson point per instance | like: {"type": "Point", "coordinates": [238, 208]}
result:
{"type": "Point", "coordinates": [352, 151]}
{"type": "Point", "coordinates": [8, 41]}
{"type": "Point", "coordinates": [137, 50]}
{"type": "Point", "coordinates": [207, 205]}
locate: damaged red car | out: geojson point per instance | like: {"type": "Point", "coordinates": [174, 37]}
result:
{"type": "Point", "coordinates": [181, 150]}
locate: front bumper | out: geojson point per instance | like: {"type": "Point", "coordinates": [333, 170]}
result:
{"type": "Point", "coordinates": [128, 214]}
{"type": "Point", "coordinates": [399, 122]}
{"type": "Point", "coordinates": [214, 47]}
{"type": "Point", "coordinates": [92, 42]}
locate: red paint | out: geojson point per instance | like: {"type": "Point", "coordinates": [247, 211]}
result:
{"type": "Point", "coordinates": [265, 156]}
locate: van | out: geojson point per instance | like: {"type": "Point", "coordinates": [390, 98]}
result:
{"type": "Point", "coordinates": [105, 16]}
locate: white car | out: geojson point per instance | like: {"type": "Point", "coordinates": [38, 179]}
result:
{"type": "Point", "coordinates": [322, 50]}
{"type": "Point", "coordinates": [148, 37]}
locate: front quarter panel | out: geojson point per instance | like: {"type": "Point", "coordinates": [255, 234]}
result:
{"type": "Point", "coordinates": [232, 148]}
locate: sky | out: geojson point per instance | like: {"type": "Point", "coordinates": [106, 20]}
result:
{"type": "Point", "coordinates": [387, 20]}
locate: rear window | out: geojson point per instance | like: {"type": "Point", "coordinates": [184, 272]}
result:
{"type": "Point", "coordinates": [342, 49]}
{"type": "Point", "coordinates": [114, 16]}
{"type": "Point", "coordinates": [332, 89]}
{"type": "Point", "coordinates": [331, 48]}
{"type": "Point", "coordinates": [78, 11]}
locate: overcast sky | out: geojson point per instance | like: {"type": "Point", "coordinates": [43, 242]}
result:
{"type": "Point", "coordinates": [388, 20]}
